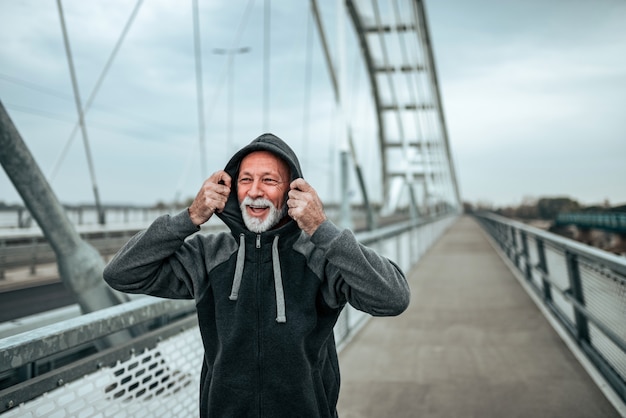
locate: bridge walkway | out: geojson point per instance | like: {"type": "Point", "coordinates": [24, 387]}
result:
{"type": "Point", "coordinates": [471, 344]}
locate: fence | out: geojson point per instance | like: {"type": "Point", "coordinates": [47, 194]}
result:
{"type": "Point", "coordinates": [157, 372]}
{"type": "Point", "coordinates": [19, 249]}
{"type": "Point", "coordinates": [28, 247]}
{"type": "Point", "coordinates": [583, 287]}
{"type": "Point", "coordinates": [19, 217]}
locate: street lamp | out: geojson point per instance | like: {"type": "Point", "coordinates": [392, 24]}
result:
{"type": "Point", "coordinates": [231, 52]}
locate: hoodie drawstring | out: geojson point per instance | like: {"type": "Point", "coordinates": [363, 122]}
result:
{"type": "Point", "coordinates": [241, 257]}
{"type": "Point", "coordinates": [281, 316]}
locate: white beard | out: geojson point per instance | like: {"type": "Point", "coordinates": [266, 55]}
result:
{"type": "Point", "coordinates": [261, 225]}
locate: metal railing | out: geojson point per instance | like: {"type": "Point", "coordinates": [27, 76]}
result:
{"type": "Point", "coordinates": [18, 217]}
{"type": "Point", "coordinates": [20, 248]}
{"type": "Point", "coordinates": [28, 247]}
{"type": "Point", "coordinates": [583, 287]}
{"type": "Point", "coordinates": [159, 370]}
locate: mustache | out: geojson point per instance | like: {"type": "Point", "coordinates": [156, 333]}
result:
{"type": "Point", "coordinates": [260, 202]}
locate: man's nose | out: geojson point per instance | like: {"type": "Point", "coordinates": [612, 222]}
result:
{"type": "Point", "coordinates": [255, 189]}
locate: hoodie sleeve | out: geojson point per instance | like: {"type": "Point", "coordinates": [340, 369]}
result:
{"type": "Point", "coordinates": [157, 261]}
{"type": "Point", "coordinates": [359, 275]}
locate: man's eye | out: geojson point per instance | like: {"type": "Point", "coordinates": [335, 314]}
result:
{"type": "Point", "coordinates": [245, 180]}
{"type": "Point", "coordinates": [269, 182]}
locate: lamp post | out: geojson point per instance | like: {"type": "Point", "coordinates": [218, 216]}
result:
{"type": "Point", "coordinates": [230, 52]}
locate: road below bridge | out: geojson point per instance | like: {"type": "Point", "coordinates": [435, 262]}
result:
{"type": "Point", "coordinates": [19, 303]}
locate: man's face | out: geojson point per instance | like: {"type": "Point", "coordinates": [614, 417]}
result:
{"type": "Point", "coordinates": [261, 187]}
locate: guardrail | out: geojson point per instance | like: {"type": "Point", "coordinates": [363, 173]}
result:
{"type": "Point", "coordinates": [20, 248]}
{"type": "Point", "coordinates": [19, 217]}
{"type": "Point", "coordinates": [583, 287]}
{"type": "Point", "coordinates": [157, 372]}
{"type": "Point", "coordinates": [28, 248]}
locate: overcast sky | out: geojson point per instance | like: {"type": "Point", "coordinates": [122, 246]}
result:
{"type": "Point", "coordinates": [535, 94]}
{"type": "Point", "coordinates": [533, 91]}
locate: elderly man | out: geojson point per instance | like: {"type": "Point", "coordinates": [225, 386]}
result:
{"type": "Point", "coordinates": [269, 292]}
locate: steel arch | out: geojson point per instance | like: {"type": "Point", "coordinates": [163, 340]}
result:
{"type": "Point", "coordinates": [413, 140]}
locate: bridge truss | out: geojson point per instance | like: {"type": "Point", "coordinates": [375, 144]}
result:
{"type": "Point", "coordinates": [414, 147]}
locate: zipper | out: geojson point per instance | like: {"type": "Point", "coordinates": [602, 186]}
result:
{"type": "Point", "coordinates": [258, 319]}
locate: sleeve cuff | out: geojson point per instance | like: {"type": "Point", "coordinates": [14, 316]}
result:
{"type": "Point", "coordinates": [182, 225]}
{"type": "Point", "coordinates": [325, 234]}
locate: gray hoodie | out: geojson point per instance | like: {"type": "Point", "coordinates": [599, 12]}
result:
{"type": "Point", "coordinates": [267, 303]}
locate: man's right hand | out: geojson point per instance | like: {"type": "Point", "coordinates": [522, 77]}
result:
{"type": "Point", "coordinates": [211, 198]}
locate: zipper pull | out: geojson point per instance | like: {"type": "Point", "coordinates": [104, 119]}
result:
{"type": "Point", "coordinates": [258, 241]}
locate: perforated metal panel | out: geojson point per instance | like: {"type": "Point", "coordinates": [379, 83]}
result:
{"type": "Point", "coordinates": [557, 271]}
{"type": "Point", "coordinates": [533, 256]}
{"type": "Point", "coordinates": [605, 298]}
{"type": "Point", "coordinates": [160, 382]}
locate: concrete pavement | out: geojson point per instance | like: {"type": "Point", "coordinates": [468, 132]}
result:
{"type": "Point", "coordinates": [471, 344]}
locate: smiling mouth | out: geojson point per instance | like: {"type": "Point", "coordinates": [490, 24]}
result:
{"type": "Point", "coordinates": [257, 210]}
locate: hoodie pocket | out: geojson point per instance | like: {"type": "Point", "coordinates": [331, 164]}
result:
{"type": "Point", "coordinates": [326, 391]}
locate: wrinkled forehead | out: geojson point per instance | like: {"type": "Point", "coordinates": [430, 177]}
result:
{"type": "Point", "coordinates": [263, 162]}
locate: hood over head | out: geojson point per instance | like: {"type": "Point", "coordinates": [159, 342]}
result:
{"type": "Point", "coordinates": [231, 215]}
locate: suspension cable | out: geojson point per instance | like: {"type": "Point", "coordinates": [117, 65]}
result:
{"type": "Point", "coordinates": [266, 64]}
{"type": "Point", "coordinates": [307, 86]}
{"type": "Point", "coordinates": [243, 23]}
{"type": "Point", "coordinates": [95, 90]}
{"type": "Point", "coordinates": [81, 117]}
{"type": "Point", "coordinates": [36, 87]}
{"type": "Point", "coordinates": [199, 89]}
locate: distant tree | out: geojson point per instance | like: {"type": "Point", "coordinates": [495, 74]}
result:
{"type": "Point", "coordinates": [527, 209]}
{"type": "Point", "coordinates": [593, 208]}
{"type": "Point", "coordinates": [161, 205]}
{"type": "Point", "coordinates": [483, 206]}
{"type": "Point", "coordinates": [549, 207]}
{"type": "Point", "coordinates": [621, 208]}
{"type": "Point", "coordinates": [507, 211]}
{"type": "Point", "coordinates": [468, 207]}
{"type": "Point", "coordinates": [596, 208]}
{"type": "Point", "coordinates": [527, 212]}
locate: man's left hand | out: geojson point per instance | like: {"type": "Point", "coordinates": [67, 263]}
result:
{"type": "Point", "coordinates": [305, 206]}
